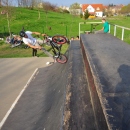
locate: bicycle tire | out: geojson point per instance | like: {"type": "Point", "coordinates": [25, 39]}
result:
{"type": "Point", "coordinates": [61, 59]}
{"type": "Point", "coordinates": [62, 40]}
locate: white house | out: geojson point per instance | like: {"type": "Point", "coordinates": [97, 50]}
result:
{"type": "Point", "coordinates": [93, 9]}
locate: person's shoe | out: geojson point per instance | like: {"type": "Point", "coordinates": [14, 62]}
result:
{"type": "Point", "coordinates": [49, 63]}
{"type": "Point", "coordinates": [35, 56]}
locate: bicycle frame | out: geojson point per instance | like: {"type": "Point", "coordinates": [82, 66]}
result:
{"type": "Point", "coordinates": [54, 48]}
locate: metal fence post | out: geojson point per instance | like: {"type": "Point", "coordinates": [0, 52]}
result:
{"type": "Point", "coordinates": [115, 30]}
{"type": "Point", "coordinates": [66, 30]}
{"type": "Point", "coordinates": [43, 29]}
{"type": "Point", "coordinates": [122, 34]}
{"type": "Point", "coordinates": [79, 30]}
{"type": "Point", "coordinates": [4, 31]}
{"type": "Point", "coordinates": [109, 28]}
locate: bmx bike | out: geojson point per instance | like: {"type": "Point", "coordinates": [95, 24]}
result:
{"type": "Point", "coordinates": [56, 43]}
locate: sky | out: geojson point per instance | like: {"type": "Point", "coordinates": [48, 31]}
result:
{"type": "Point", "coordinates": [104, 2]}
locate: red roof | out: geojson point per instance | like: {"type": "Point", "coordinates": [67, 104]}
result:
{"type": "Point", "coordinates": [95, 6]}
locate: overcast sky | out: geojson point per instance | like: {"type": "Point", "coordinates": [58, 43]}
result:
{"type": "Point", "coordinates": [105, 2]}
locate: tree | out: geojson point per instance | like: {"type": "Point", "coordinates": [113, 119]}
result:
{"type": "Point", "coordinates": [66, 11]}
{"type": "Point", "coordinates": [75, 9]}
{"type": "Point", "coordinates": [86, 14]}
{"type": "Point", "coordinates": [48, 6]}
{"type": "Point", "coordinates": [125, 9]}
{"type": "Point", "coordinates": [8, 11]}
{"type": "Point", "coordinates": [81, 15]}
{"type": "Point", "coordinates": [75, 6]}
{"type": "Point", "coordinates": [0, 3]}
{"type": "Point", "coordinates": [38, 6]}
{"type": "Point", "coordinates": [27, 3]}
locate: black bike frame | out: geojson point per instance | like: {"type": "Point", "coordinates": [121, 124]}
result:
{"type": "Point", "coordinates": [54, 48]}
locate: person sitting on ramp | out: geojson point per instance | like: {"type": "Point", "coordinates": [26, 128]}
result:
{"type": "Point", "coordinates": [105, 28]}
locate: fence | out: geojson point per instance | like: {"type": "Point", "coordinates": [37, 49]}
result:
{"type": "Point", "coordinates": [116, 30]}
{"type": "Point", "coordinates": [89, 23]}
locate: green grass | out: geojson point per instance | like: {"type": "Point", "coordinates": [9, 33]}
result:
{"type": "Point", "coordinates": [60, 23]}
{"type": "Point", "coordinates": [122, 21]}
{"type": "Point", "coordinates": [7, 52]}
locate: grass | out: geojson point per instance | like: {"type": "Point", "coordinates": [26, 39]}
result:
{"type": "Point", "coordinates": [7, 52]}
{"type": "Point", "coordinates": [60, 23]}
{"type": "Point", "coordinates": [122, 21]}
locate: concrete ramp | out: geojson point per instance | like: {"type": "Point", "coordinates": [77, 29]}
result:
{"type": "Point", "coordinates": [109, 62]}
{"type": "Point", "coordinates": [90, 92]}
{"type": "Point", "coordinates": [57, 98]}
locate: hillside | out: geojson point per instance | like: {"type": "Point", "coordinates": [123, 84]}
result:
{"type": "Point", "coordinates": [51, 23]}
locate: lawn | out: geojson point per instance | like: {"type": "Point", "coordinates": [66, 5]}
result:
{"type": "Point", "coordinates": [51, 23]}
{"type": "Point", "coordinates": [6, 51]}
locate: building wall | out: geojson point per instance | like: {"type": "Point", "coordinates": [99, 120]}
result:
{"type": "Point", "coordinates": [90, 8]}
{"type": "Point", "coordinates": [99, 14]}
{"type": "Point", "coordinates": [93, 9]}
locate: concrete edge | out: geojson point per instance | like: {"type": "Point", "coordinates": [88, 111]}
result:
{"type": "Point", "coordinates": [94, 84]}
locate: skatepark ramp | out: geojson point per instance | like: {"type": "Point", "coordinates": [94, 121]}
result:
{"type": "Point", "coordinates": [109, 61]}
{"type": "Point", "coordinates": [90, 92]}
{"type": "Point", "coordinates": [57, 98]}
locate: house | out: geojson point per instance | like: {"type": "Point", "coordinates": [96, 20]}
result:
{"type": "Point", "coordinates": [93, 9]}
{"type": "Point", "coordinates": [114, 9]}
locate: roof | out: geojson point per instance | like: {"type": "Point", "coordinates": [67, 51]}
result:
{"type": "Point", "coordinates": [95, 6]}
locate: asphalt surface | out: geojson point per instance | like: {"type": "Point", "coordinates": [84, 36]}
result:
{"type": "Point", "coordinates": [90, 92]}
{"type": "Point", "coordinates": [109, 59]}
{"type": "Point", "coordinates": [57, 98]}
{"type": "Point", "coordinates": [41, 105]}
{"type": "Point", "coordinates": [14, 74]}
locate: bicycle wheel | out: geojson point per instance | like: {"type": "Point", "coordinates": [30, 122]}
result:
{"type": "Point", "coordinates": [59, 39]}
{"type": "Point", "coordinates": [61, 59]}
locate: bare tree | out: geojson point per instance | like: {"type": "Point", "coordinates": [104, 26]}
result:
{"type": "Point", "coordinates": [24, 3]}
{"type": "Point", "coordinates": [19, 2]}
{"type": "Point", "coordinates": [7, 11]}
{"type": "Point", "coordinates": [0, 3]}
{"type": "Point", "coordinates": [47, 6]}
{"type": "Point", "coordinates": [75, 9]}
{"type": "Point", "coordinates": [38, 6]}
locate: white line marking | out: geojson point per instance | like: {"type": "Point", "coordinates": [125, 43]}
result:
{"type": "Point", "coordinates": [16, 100]}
